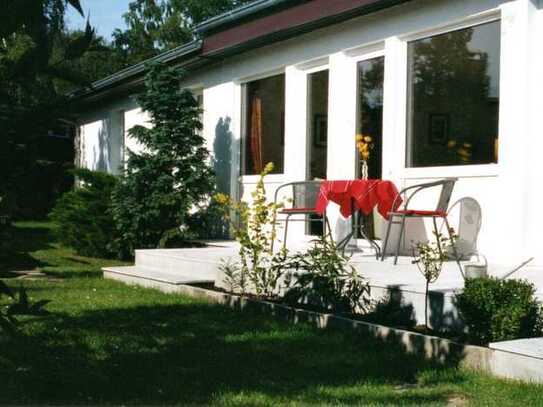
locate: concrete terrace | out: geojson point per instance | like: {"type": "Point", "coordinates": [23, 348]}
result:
{"type": "Point", "coordinates": [202, 265]}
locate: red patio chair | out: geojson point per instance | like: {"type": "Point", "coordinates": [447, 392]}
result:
{"type": "Point", "coordinates": [300, 201]}
{"type": "Point", "coordinates": [447, 186]}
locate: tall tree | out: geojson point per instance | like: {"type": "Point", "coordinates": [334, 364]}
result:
{"type": "Point", "coordinates": [154, 26]}
{"type": "Point", "coordinates": [30, 71]}
{"type": "Point", "coordinates": [160, 185]}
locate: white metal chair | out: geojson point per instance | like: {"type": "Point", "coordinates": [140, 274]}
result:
{"type": "Point", "coordinates": [468, 214]}
{"type": "Point", "coordinates": [447, 186]}
{"type": "Point", "coordinates": [302, 201]}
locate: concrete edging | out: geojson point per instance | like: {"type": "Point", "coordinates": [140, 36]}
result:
{"type": "Point", "coordinates": [493, 361]}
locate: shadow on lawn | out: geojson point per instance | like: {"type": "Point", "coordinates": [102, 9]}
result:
{"type": "Point", "coordinates": [25, 239]}
{"type": "Point", "coordinates": [200, 353]}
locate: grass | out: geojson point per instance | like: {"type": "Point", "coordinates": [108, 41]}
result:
{"type": "Point", "coordinates": [108, 343]}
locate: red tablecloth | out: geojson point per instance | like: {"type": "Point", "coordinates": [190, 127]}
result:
{"type": "Point", "coordinates": [365, 195]}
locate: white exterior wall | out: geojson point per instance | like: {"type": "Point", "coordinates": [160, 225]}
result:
{"type": "Point", "coordinates": [104, 135]}
{"type": "Point", "coordinates": [509, 192]}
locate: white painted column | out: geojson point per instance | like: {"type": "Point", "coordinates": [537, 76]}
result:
{"type": "Point", "coordinates": [341, 131]}
{"type": "Point", "coordinates": [394, 110]}
{"type": "Point", "coordinates": [514, 134]}
{"type": "Point", "coordinates": [221, 133]}
{"type": "Point", "coordinates": [295, 124]}
{"type": "Point", "coordinates": [534, 140]}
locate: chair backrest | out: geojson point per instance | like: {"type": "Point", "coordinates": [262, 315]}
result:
{"type": "Point", "coordinates": [446, 193]}
{"type": "Point", "coordinates": [447, 186]}
{"type": "Point", "coordinates": [467, 215]}
{"type": "Point", "coordinates": [303, 194]}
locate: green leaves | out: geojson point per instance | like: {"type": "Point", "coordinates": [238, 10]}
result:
{"type": "Point", "coordinates": [160, 185]}
{"type": "Point", "coordinates": [499, 310]}
{"type": "Point", "coordinates": [84, 215]}
{"type": "Point", "coordinates": [77, 46]}
{"type": "Point", "coordinates": [326, 280]}
{"type": "Point", "coordinates": [20, 305]}
{"type": "Point", "coordinates": [75, 4]}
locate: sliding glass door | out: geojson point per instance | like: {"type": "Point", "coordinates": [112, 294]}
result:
{"type": "Point", "coordinates": [370, 121]}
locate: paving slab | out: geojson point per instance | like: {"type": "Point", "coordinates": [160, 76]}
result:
{"type": "Point", "coordinates": [532, 347]}
{"type": "Point", "coordinates": [156, 275]}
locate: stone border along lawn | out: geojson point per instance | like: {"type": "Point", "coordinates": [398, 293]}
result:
{"type": "Point", "coordinates": [492, 361]}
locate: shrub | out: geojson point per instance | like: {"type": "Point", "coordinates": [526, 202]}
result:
{"type": "Point", "coordinates": [259, 268]}
{"type": "Point", "coordinates": [83, 216]}
{"type": "Point", "coordinates": [328, 281]}
{"type": "Point", "coordinates": [499, 310]}
{"type": "Point", "coordinates": [171, 176]}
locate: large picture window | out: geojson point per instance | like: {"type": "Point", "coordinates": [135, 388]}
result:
{"type": "Point", "coordinates": [454, 90]}
{"type": "Point", "coordinates": [264, 110]}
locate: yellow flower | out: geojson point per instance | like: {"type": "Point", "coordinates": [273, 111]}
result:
{"type": "Point", "coordinates": [268, 168]}
{"type": "Point", "coordinates": [221, 199]}
{"type": "Point", "coordinates": [364, 143]}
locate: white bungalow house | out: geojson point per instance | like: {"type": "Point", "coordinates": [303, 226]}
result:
{"type": "Point", "coordinates": [446, 88]}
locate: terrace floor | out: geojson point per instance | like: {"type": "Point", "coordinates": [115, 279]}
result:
{"type": "Point", "coordinates": [202, 265]}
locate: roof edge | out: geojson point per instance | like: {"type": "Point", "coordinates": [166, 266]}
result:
{"type": "Point", "coordinates": [140, 67]}
{"type": "Point", "coordinates": [238, 13]}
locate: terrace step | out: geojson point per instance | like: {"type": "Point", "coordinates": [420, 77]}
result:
{"type": "Point", "coordinates": [134, 273]}
{"type": "Point", "coordinates": [532, 347]}
{"type": "Point", "coordinates": [201, 263]}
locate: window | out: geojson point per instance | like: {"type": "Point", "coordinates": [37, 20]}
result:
{"type": "Point", "coordinates": [317, 130]}
{"type": "Point", "coordinates": [371, 74]}
{"type": "Point", "coordinates": [454, 98]}
{"type": "Point", "coordinates": [264, 110]}
{"type": "Point", "coordinates": [317, 86]}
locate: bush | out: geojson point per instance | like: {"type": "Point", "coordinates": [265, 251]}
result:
{"type": "Point", "coordinates": [84, 216]}
{"type": "Point", "coordinates": [499, 310]}
{"type": "Point", "coordinates": [327, 282]}
{"type": "Point", "coordinates": [171, 176]}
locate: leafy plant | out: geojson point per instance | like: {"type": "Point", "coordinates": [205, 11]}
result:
{"type": "Point", "coordinates": [18, 304]}
{"type": "Point", "coordinates": [254, 228]}
{"type": "Point", "coordinates": [84, 216]}
{"type": "Point", "coordinates": [429, 258]}
{"type": "Point", "coordinates": [171, 176]}
{"type": "Point", "coordinates": [499, 310]}
{"type": "Point", "coordinates": [327, 281]}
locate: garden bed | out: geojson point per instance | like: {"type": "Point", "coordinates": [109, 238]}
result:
{"type": "Point", "coordinates": [497, 362]}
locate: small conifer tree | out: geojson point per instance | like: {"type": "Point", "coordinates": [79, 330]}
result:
{"type": "Point", "coordinates": [160, 185]}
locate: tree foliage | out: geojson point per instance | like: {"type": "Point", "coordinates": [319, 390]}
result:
{"type": "Point", "coordinates": [154, 26]}
{"type": "Point", "coordinates": [84, 216]}
{"type": "Point", "coordinates": [32, 70]}
{"type": "Point", "coordinates": [162, 184]}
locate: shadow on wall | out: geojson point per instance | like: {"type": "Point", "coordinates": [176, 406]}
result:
{"type": "Point", "coordinates": [102, 156]}
{"type": "Point", "coordinates": [222, 160]}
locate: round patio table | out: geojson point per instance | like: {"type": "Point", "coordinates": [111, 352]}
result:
{"type": "Point", "coordinates": [359, 195]}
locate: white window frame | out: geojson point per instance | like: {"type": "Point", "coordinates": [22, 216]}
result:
{"type": "Point", "coordinates": [241, 82]}
{"type": "Point", "coordinates": [473, 170]}
{"type": "Point", "coordinates": [308, 140]}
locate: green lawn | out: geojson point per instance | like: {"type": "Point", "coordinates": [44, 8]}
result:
{"type": "Point", "coordinates": [107, 343]}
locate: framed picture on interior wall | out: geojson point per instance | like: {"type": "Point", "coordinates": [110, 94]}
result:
{"type": "Point", "coordinates": [438, 132]}
{"type": "Point", "coordinates": [320, 130]}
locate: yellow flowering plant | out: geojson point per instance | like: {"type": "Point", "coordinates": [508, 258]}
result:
{"type": "Point", "coordinates": [254, 228]}
{"type": "Point", "coordinates": [364, 144]}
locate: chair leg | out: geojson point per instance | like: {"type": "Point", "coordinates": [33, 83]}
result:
{"type": "Point", "coordinates": [286, 231]}
{"type": "Point", "coordinates": [438, 238]}
{"type": "Point", "coordinates": [402, 229]}
{"type": "Point", "coordinates": [329, 228]}
{"type": "Point", "coordinates": [387, 235]}
{"type": "Point", "coordinates": [453, 244]}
